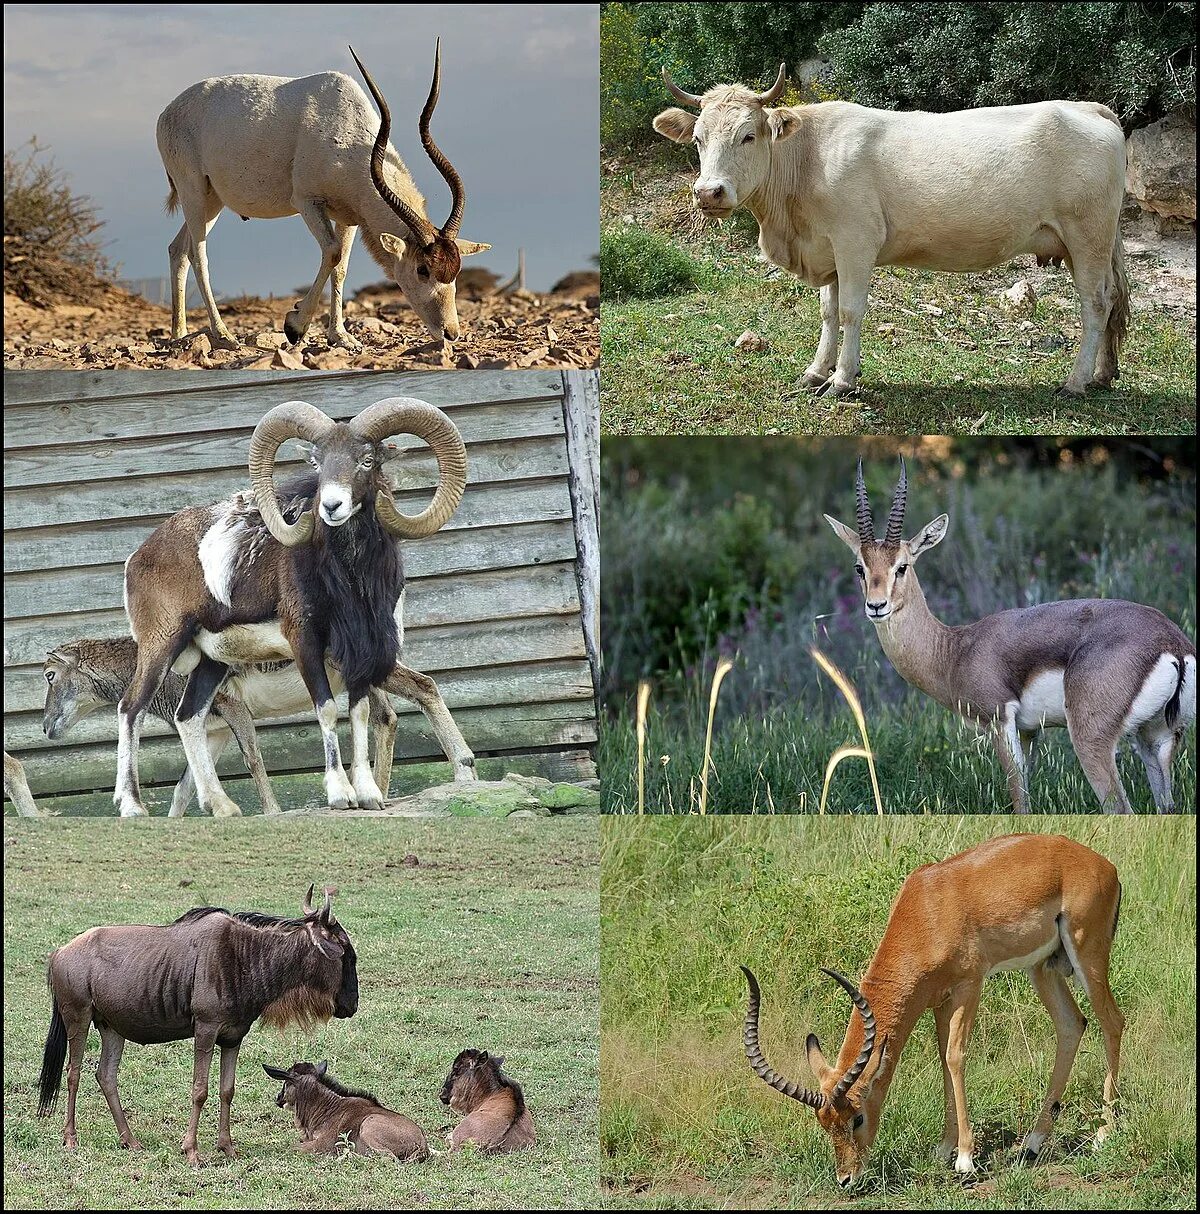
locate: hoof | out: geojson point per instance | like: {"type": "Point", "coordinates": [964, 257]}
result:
{"type": "Point", "coordinates": [964, 1165]}
{"type": "Point", "coordinates": [342, 341]}
{"type": "Point", "coordinates": [1069, 392]}
{"type": "Point", "coordinates": [223, 807]}
{"type": "Point", "coordinates": [70, 1142]}
{"type": "Point", "coordinates": [128, 807]}
{"type": "Point", "coordinates": [225, 341]}
{"type": "Point", "coordinates": [813, 380]}
{"type": "Point", "coordinates": [465, 774]}
{"type": "Point", "coordinates": [131, 1144]}
{"type": "Point", "coordinates": [193, 1158]}
{"type": "Point", "coordinates": [228, 1150]}
{"type": "Point", "coordinates": [291, 330]}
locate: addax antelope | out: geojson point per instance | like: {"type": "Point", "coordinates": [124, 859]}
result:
{"type": "Point", "coordinates": [269, 146]}
{"type": "Point", "coordinates": [1104, 668]}
{"type": "Point", "coordinates": [1040, 903]}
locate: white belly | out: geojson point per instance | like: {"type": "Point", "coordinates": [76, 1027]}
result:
{"type": "Point", "coordinates": [1029, 961]}
{"type": "Point", "coordinates": [244, 644]}
{"type": "Point", "coordinates": [275, 693]}
{"type": "Point", "coordinates": [1041, 702]}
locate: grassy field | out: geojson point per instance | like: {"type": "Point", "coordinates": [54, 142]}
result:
{"type": "Point", "coordinates": [685, 1124]}
{"type": "Point", "coordinates": [490, 941]}
{"type": "Point", "coordinates": [940, 356]}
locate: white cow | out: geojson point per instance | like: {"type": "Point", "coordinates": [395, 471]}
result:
{"type": "Point", "coordinates": [838, 189]}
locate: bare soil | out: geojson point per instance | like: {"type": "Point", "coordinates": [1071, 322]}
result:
{"type": "Point", "coordinates": [115, 330]}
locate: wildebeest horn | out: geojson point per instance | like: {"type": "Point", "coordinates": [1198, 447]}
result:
{"type": "Point", "coordinates": [325, 910]}
{"type": "Point", "coordinates": [868, 1017]}
{"type": "Point", "coordinates": [758, 1062]}
{"type": "Point", "coordinates": [677, 92]}
{"type": "Point", "coordinates": [895, 523]}
{"type": "Point", "coordinates": [294, 419]}
{"type": "Point", "coordinates": [406, 415]}
{"type": "Point", "coordinates": [421, 229]}
{"type": "Point", "coordinates": [458, 192]}
{"type": "Point", "coordinates": [306, 905]}
{"type": "Point", "coordinates": [774, 91]}
{"type": "Point", "coordinates": [862, 509]}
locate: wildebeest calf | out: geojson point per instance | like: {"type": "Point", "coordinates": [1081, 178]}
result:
{"type": "Point", "coordinates": [209, 975]}
{"type": "Point", "coordinates": [325, 1110]}
{"type": "Point", "coordinates": [495, 1116]}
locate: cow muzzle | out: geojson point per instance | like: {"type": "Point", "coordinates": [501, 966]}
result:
{"type": "Point", "coordinates": [713, 198]}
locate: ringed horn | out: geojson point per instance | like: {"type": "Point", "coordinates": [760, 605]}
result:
{"type": "Point", "coordinates": [395, 415]}
{"type": "Point", "coordinates": [694, 99]}
{"type": "Point", "coordinates": [762, 1068]}
{"type": "Point", "coordinates": [439, 243]}
{"type": "Point", "coordinates": [862, 508]}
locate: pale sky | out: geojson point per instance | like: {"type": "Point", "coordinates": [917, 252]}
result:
{"type": "Point", "coordinates": [518, 116]}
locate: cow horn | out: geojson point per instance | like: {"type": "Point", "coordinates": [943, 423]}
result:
{"type": "Point", "coordinates": [420, 228]}
{"type": "Point", "coordinates": [895, 523]}
{"type": "Point", "coordinates": [458, 192]}
{"type": "Point", "coordinates": [405, 415]}
{"type": "Point", "coordinates": [862, 509]}
{"type": "Point", "coordinates": [868, 1017]}
{"type": "Point", "coordinates": [776, 89]}
{"type": "Point", "coordinates": [306, 905]}
{"type": "Point", "coordinates": [294, 419]}
{"type": "Point", "coordinates": [759, 1064]}
{"type": "Point", "coordinates": [677, 92]}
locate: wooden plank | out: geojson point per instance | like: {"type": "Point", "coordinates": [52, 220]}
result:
{"type": "Point", "coordinates": [502, 644]}
{"type": "Point", "coordinates": [111, 541]}
{"type": "Point", "coordinates": [166, 451]}
{"type": "Point", "coordinates": [71, 394]}
{"type": "Point", "coordinates": [466, 599]}
{"type": "Point", "coordinates": [298, 748]}
{"type": "Point", "coordinates": [581, 410]}
{"type": "Point", "coordinates": [102, 586]}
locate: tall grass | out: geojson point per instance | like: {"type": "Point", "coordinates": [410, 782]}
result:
{"type": "Point", "coordinates": [684, 902]}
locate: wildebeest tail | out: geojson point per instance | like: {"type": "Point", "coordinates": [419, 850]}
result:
{"type": "Point", "coordinates": [52, 1061]}
{"type": "Point", "coordinates": [1118, 318]}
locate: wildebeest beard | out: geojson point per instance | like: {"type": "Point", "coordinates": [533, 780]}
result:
{"type": "Point", "coordinates": [351, 579]}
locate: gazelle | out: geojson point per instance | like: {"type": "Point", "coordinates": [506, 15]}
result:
{"type": "Point", "coordinates": [1104, 668]}
{"type": "Point", "coordinates": [269, 146]}
{"type": "Point", "coordinates": [1040, 903]}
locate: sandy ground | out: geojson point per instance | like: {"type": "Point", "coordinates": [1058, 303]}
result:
{"type": "Point", "coordinates": [120, 331]}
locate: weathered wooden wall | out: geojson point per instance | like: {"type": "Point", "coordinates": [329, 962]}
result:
{"type": "Point", "coordinates": [94, 461]}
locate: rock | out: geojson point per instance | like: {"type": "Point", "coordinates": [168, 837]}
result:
{"type": "Point", "coordinates": [1161, 167]}
{"type": "Point", "coordinates": [751, 342]}
{"type": "Point", "coordinates": [371, 324]}
{"type": "Point", "coordinates": [1020, 298]}
{"type": "Point", "coordinates": [569, 798]}
{"type": "Point", "coordinates": [268, 339]}
{"type": "Point", "coordinates": [285, 360]}
{"type": "Point", "coordinates": [328, 360]}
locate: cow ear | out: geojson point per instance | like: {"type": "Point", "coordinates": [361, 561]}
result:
{"type": "Point", "coordinates": [783, 124]}
{"type": "Point", "coordinates": [329, 948]}
{"type": "Point", "coordinates": [676, 124]}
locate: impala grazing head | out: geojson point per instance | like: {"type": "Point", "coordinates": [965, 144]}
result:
{"type": "Point", "coordinates": [733, 134]}
{"type": "Point", "coordinates": [849, 1117]}
{"type": "Point", "coordinates": [885, 567]}
{"type": "Point", "coordinates": [425, 264]}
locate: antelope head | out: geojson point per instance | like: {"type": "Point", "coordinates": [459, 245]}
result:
{"type": "Point", "coordinates": [885, 567]}
{"type": "Point", "coordinates": [846, 1103]}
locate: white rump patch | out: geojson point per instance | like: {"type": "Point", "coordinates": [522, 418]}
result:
{"type": "Point", "coordinates": [1157, 688]}
{"type": "Point", "coordinates": [1042, 701]}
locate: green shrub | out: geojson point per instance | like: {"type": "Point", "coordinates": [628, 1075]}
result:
{"type": "Point", "coordinates": [641, 265]}
{"type": "Point", "coordinates": [631, 92]}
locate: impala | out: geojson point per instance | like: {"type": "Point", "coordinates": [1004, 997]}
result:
{"type": "Point", "coordinates": [1104, 668]}
{"type": "Point", "coordinates": [1040, 903]}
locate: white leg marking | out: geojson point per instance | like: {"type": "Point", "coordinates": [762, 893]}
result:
{"type": "Point", "coordinates": [365, 788]}
{"type": "Point", "coordinates": [129, 733]}
{"type": "Point", "coordinates": [964, 1165]}
{"type": "Point", "coordinates": [213, 798]}
{"type": "Point", "coordinates": [339, 792]}
{"type": "Point", "coordinates": [1033, 1142]}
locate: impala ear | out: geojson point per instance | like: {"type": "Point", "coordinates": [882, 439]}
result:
{"type": "Point", "coordinates": [467, 248]}
{"type": "Point", "coordinates": [394, 244]}
{"type": "Point", "coordinates": [782, 124]}
{"type": "Point", "coordinates": [929, 536]}
{"type": "Point", "coordinates": [816, 1058]}
{"type": "Point", "coordinates": [676, 124]}
{"type": "Point", "coordinates": [847, 535]}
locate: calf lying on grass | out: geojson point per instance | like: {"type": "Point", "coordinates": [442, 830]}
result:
{"type": "Point", "coordinates": [495, 1117]}
{"type": "Point", "coordinates": [326, 1112]}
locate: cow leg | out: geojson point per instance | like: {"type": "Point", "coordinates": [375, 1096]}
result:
{"type": "Point", "coordinates": [344, 233]}
{"type": "Point", "coordinates": [296, 322]}
{"type": "Point", "coordinates": [421, 690]}
{"type": "Point", "coordinates": [112, 1045]}
{"type": "Point", "coordinates": [1094, 282]}
{"type": "Point", "coordinates": [237, 716]}
{"type": "Point", "coordinates": [200, 1069]}
{"type": "Point", "coordinates": [365, 789]}
{"type": "Point", "coordinates": [229, 1057]}
{"type": "Point", "coordinates": [191, 719]}
{"type": "Point", "coordinates": [821, 367]}
{"type": "Point", "coordinates": [854, 277]}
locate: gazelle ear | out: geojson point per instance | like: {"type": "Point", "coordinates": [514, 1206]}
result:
{"type": "Point", "coordinates": [847, 535]}
{"type": "Point", "coordinates": [929, 536]}
{"type": "Point", "coordinates": [394, 244]}
{"type": "Point", "coordinates": [467, 248]}
{"type": "Point", "coordinates": [676, 124]}
{"type": "Point", "coordinates": [816, 1058]}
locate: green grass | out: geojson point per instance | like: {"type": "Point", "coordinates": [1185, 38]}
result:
{"type": "Point", "coordinates": [490, 941]}
{"type": "Point", "coordinates": [684, 1123]}
{"type": "Point", "coordinates": [670, 366]}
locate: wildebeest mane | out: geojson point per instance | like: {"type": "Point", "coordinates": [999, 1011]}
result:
{"type": "Point", "coordinates": [341, 1089]}
{"type": "Point", "coordinates": [253, 918]}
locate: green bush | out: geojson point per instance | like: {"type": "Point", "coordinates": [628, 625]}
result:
{"type": "Point", "coordinates": [635, 264]}
{"type": "Point", "coordinates": [631, 92]}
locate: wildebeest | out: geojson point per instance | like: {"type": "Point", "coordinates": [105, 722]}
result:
{"type": "Point", "coordinates": [495, 1116]}
{"type": "Point", "coordinates": [838, 189]}
{"type": "Point", "coordinates": [327, 1111]}
{"type": "Point", "coordinates": [209, 975]}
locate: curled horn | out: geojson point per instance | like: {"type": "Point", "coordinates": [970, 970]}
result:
{"type": "Point", "coordinates": [405, 415]}
{"type": "Point", "coordinates": [868, 1017]}
{"type": "Point", "coordinates": [776, 89]}
{"type": "Point", "coordinates": [306, 905]}
{"type": "Point", "coordinates": [862, 509]}
{"type": "Point", "coordinates": [754, 1054]}
{"type": "Point", "coordinates": [678, 93]}
{"type": "Point", "coordinates": [895, 523]}
{"type": "Point", "coordinates": [421, 229]}
{"type": "Point", "coordinates": [458, 192]}
{"type": "Point", "coordinates": [294, 419]}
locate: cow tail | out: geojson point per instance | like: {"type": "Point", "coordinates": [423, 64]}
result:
{"type": "Point", "coordinates": [52, 1061]}
{"type": "Point", "coordinates": [1118, 318]}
